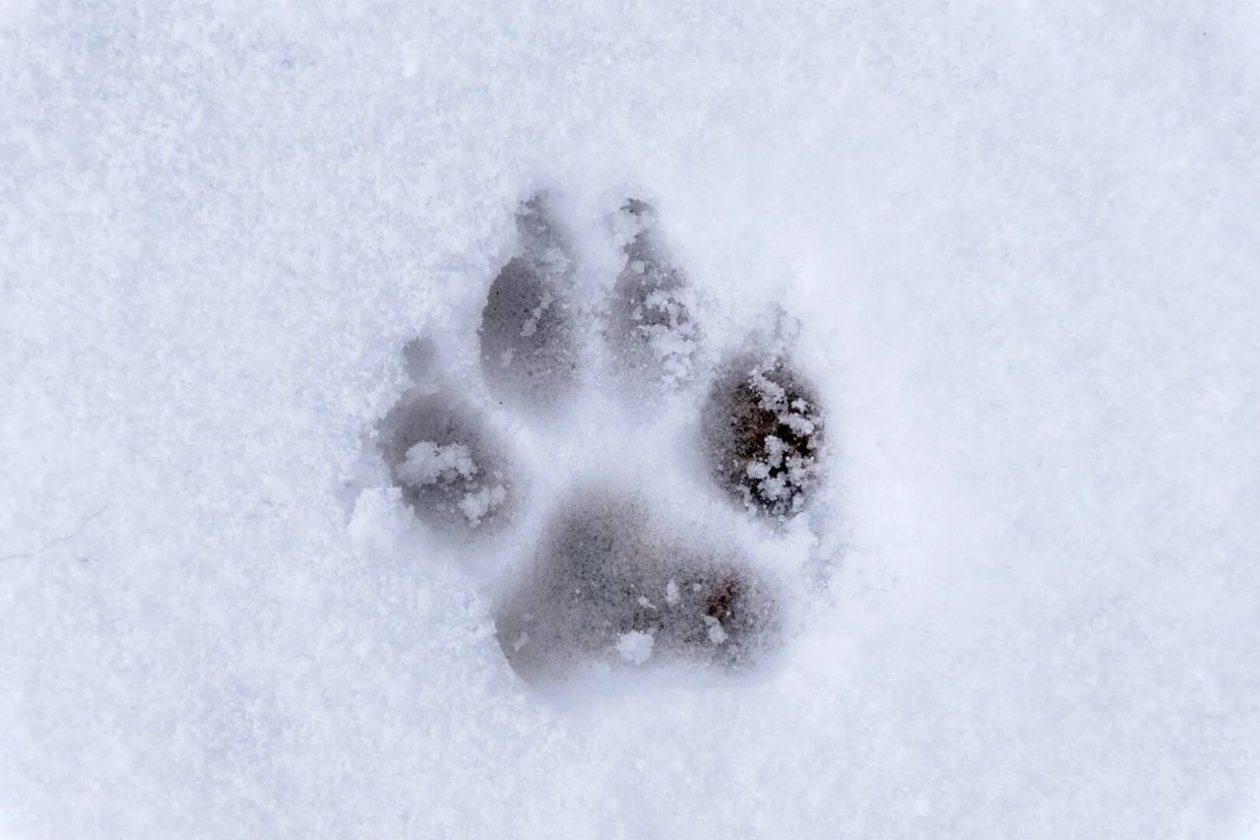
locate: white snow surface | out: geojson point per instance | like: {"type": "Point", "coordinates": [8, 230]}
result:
{"type": "Point", "coordinates": [1021, 242]}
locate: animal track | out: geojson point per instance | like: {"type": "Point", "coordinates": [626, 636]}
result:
{"type": "Point", "coordinates": [613, 581]}
{"type": "Point", "coordinates": [650, 310]}
{"type": "Point", "coordinates": [764, 434]}
{"type": "Point", "coordinates": [528, 350]}
{"type": "Point", "coordinates": [441, 459]}
{"type": "Point", "coordinates": [606, 584]}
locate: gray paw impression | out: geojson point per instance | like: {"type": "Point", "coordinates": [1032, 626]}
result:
{"type": "Point", "coordinates": [764, 434]}
{"type": "Point", "coordinates": [528, 347]}
{"type": "Point", "coordinates": [449, 471]}
{"type": "Point", "coordinates": [650, 320]}
{"type": "Point", "coordinates": [609, 586]}
{"type": "Point", "coordinates": [606, 586]}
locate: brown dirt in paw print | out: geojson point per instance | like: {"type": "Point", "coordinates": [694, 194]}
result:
{"type": "Point", "coordinates": [764, 434]}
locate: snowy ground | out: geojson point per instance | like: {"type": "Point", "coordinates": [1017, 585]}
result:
{"type": "Point", "coordinates": [1020, 239]}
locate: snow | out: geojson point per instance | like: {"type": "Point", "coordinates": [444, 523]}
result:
{"type": "Point", "coordinates": [428, 463]}
{"type": "Point", "coordinates": [716, 634]}
{"type": "Point", "coordinates": [476, 505]}
{"type": "Point", "coordinates": [671, 338]}
{"type": "Point", "coordinates": [451, 466]}
{"type": "Point", "coordinates": [635, 647]}
{"type": "Point", "coordinates": [1019, 240]}
{"type": "Point", "coordinates": [531, 323]}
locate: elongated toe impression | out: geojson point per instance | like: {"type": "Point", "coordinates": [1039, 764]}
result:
{"type": "Point", "coordinates": [652, 329]}
{"type": "Point", "coordinates": [528, 349]}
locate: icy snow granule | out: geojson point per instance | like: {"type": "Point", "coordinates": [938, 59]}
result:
{"type": "Point", "coordinates": [717, 634]}
{"type": "Point", "coordinates": [476, 505]}
{"type": "Point", "coordinates": [635, 647]}
{"type": "Point", "coordinates": [531, 323]}
{"type": "Point", "coordinates": [427, 463]}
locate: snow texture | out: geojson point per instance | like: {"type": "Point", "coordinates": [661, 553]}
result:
{"type": "Point", "coordinates": [1020, 242]}
{"type": "Point", "coordinates": [635, 646]}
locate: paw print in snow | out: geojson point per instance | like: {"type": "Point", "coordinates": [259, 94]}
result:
{"type": "Point", "coordinates": [617, 579]}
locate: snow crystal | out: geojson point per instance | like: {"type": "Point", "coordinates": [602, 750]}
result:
{"type": "Point", "coordinates": [775, 447]}
{"type": "Point", "coordinates": [428, 463]}
{"type": "Point", "coordinates": [773, 488]}
{"type": "Point", "coordinates": [635, 647]}
{"type": "Point", "coordinates": [771, 393]}
{"type": "Point", "coordinates": [757, 469]}
{"type": "Point", "coordinates": [531, 323]}
{"type": "Point", "coordinates": [476, 505]}
{"type": "Point", "coordinates": [717, 634]}
{"type": "Point", "coordinates": [801, 425]}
